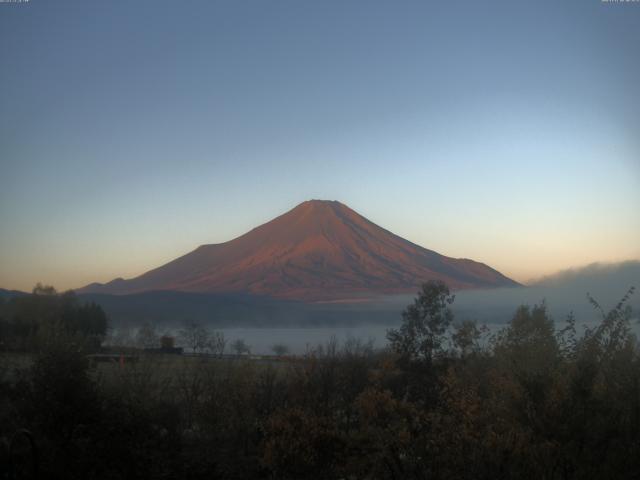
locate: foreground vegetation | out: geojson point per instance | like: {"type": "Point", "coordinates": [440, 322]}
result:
{"type": "Point", "coordinates": [443, 402]}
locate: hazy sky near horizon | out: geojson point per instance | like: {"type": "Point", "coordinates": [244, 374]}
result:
{"type": "Point", "coordinates": [132, 132]}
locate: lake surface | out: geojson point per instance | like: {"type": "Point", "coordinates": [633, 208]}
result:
{"type": "Point", "coordinates": [301, 340]}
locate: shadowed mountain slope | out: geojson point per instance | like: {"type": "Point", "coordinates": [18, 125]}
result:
{"type": "Point", "coordinates": [320, 250]}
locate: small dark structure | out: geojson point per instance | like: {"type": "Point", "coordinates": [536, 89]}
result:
{"type": "Point", "coordinates": [167, 345]}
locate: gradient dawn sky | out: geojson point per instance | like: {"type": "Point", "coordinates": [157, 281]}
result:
{"type": "Point", "coordinates": [133, 131]}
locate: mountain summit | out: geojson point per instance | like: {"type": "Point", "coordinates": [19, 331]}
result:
{"type": "Point", "coordinates": [320, 250]}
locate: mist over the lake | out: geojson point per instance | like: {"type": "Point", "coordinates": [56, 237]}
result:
{"type": "Point", "coordinates": [301, 327]}
{"type": "Point", "coordinates": [563, 293]}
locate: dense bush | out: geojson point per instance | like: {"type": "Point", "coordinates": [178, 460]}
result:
{"type": "Point", "coordinates": [37, 321]}
{"type": "Point", "coordinates": [532, 401]}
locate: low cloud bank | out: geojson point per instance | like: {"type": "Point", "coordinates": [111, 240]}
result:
{"type": "Point", "coordinates": [563, 292]}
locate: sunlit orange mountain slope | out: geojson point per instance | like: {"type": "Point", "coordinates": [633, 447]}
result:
{"type": "Point", "coordinates": [320, 250]}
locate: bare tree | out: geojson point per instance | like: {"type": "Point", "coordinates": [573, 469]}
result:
{"type": "Point", "coordinates": [122, 337]}
{"type": "Point", "coordinates": [195, 336]}
{"type": "Point", "coordinates": [146, 337]}
{"type": "Point", "coordinates": [280, 349]}
{"type": "Point", "coordinates": [240, 347]}
{"type": "Point", "coordinates": [217, 343]}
